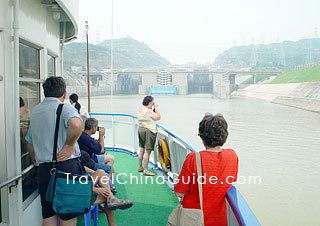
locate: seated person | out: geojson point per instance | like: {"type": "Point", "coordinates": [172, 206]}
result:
{"type": "Point", "coordinates": [103, 191]}
{"type": "Point", "coordinates": [87, 161]}
{"type": "Point", "coordinates": [92, 146]}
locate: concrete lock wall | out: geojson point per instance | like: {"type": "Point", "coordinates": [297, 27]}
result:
{"type": "Point", "coordinates": [181, 82]}
{"type": "Point", "coordinates": [221, 86]}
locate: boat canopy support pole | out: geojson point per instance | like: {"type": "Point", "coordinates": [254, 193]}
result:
{"type": "Point", "coordinates": [62, 40]}
{"type": "Point", "coordinates": [15, 197]}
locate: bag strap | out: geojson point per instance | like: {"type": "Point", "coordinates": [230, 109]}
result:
{"type": "Point", "coordinates": [55, 144]}
{"type": "Point", "coordinates": [199, 170]}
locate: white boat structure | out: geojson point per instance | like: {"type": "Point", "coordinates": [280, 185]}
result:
{"type": "Point", "coordinates": [32, 36]}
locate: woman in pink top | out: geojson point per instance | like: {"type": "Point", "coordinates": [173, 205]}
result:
{"type": "Point", "coordinates": [219, 168]}
{"type": "Point", "coordinates": [147, 132]}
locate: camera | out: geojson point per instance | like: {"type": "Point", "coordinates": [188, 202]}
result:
{"type": "Point", "coordinates": [99, 128]}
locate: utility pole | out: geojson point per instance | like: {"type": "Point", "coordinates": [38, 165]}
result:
{"type": "Point", "coordinates": [253, 57]}
{"type": "Point", "coordinates": [88, 68]}
{"type": "Point", "coordinates": [111, 59]}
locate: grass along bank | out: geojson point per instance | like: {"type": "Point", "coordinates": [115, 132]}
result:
{"type": "Point", "coordinates": [309, 74]}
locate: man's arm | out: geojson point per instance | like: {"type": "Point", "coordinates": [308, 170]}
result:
{"type": "Point", "coordinates": [156, 114]}
{"type": "Point", "coordinates": [156, 109]}
{"type": "Point", "coordinates": [102, 131]}
{"type": "Point", "coordinates": [75, 127]}
{"type": "Point", "coordinates": [88, 170]}
{"type": "Point", "coordinates": [32, 154]}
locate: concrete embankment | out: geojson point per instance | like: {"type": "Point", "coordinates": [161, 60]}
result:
{"type": "Point", "coordinates": [268, 91]}
{"type": "Point", "coordinates": [303, 103]}
{"type": "Point", "coordinates": [300, 95]}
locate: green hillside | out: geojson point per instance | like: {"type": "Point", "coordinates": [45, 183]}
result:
{"type": "Point", "coordinates": [276, 55]}
{"type": "Point", "coordinates": [127, 53]}
{"type": "Point", "coordinates": [309, 74]}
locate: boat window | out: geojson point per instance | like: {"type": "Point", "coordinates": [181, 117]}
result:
{"type": "Point", "coordinates": [29, 87]}
{"type": "Point", "coordinates": [51, 65]}
{"type": "Point", "coordinates": [29, 61]}
{"type": "Point", "coordinates": [30, 94]}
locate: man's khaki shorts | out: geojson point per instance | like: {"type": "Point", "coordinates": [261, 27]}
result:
{"type": "Point", "coordinates": [147, 139]}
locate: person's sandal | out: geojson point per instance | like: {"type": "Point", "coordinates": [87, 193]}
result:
{"type": "Point", "coordinates": [101, 208]}
{"type": "Point", "coordinates": [115, 203]}
{"type": "Point", "coordinates": [113, 189]}
{"type": "Point", "coordinates": [148, 173]}
{"type": "Point", "coordinates": [140, 169]}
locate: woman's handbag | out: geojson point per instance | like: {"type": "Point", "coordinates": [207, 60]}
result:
{"type": "Point", "coordinates": [69, 193]}
{"type": "Point", "coordinates": [189, 217]}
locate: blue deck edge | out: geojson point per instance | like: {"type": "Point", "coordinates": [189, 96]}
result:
{"type": "Point", "coordinates": [239, 206]}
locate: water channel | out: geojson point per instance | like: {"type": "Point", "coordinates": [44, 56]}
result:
{"type": "Point", "coordinates": [279, 144]}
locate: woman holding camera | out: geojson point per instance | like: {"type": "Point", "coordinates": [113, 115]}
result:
{"type": "Point", "coordinates": [147, 116]}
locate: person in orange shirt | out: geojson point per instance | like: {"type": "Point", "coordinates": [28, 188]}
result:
{"type": "Point", "coordinates": [219, 171]}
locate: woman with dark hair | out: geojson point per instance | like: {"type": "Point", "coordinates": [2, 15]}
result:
{"type": "Point", "coordinates": [147, 116]}
{"type": "Point", "coordinates": [219, 171]}
{"type": "Point", "coordinates": [73, 98]}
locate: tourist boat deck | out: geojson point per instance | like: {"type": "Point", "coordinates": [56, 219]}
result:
{"type": "Point", "coordinates": [152, 202]}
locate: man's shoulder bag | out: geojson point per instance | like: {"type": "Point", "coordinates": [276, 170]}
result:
{"type": "Point", "coordinates": [69, 193]}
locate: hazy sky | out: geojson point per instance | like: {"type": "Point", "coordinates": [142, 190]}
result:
{"type": "Point", "coordinates": [198, 30]}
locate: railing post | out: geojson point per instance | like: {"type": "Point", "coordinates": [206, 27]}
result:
{"type": "Point", "coordinates": [170, 145]}
{"type": "Point", "coordinates": [113, 132]}
{"type": "Point", "coordinates": [155, 151]}
{"type": "Point", "coordinates": [134, 127]}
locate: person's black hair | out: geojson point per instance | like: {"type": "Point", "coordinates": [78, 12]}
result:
{"type": "Point", "coordinates": [21, 102]}
{"type": "Point", "coordinates": [90, 122]}
{"type": "Point", "coordinates": [213, 130]}
{"type": "Point", "coordinates": [54, 87]}
{"type": "Point", "coordinates": [74, 97]}
{"type": "Point", "coordinates": [147, 100]}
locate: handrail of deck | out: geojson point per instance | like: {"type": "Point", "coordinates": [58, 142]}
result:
{"type": "Point", "coordinates": [16, 178]}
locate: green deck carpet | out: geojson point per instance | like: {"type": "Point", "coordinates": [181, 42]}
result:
{"type": "Point", "coordinates": [152, 202]}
